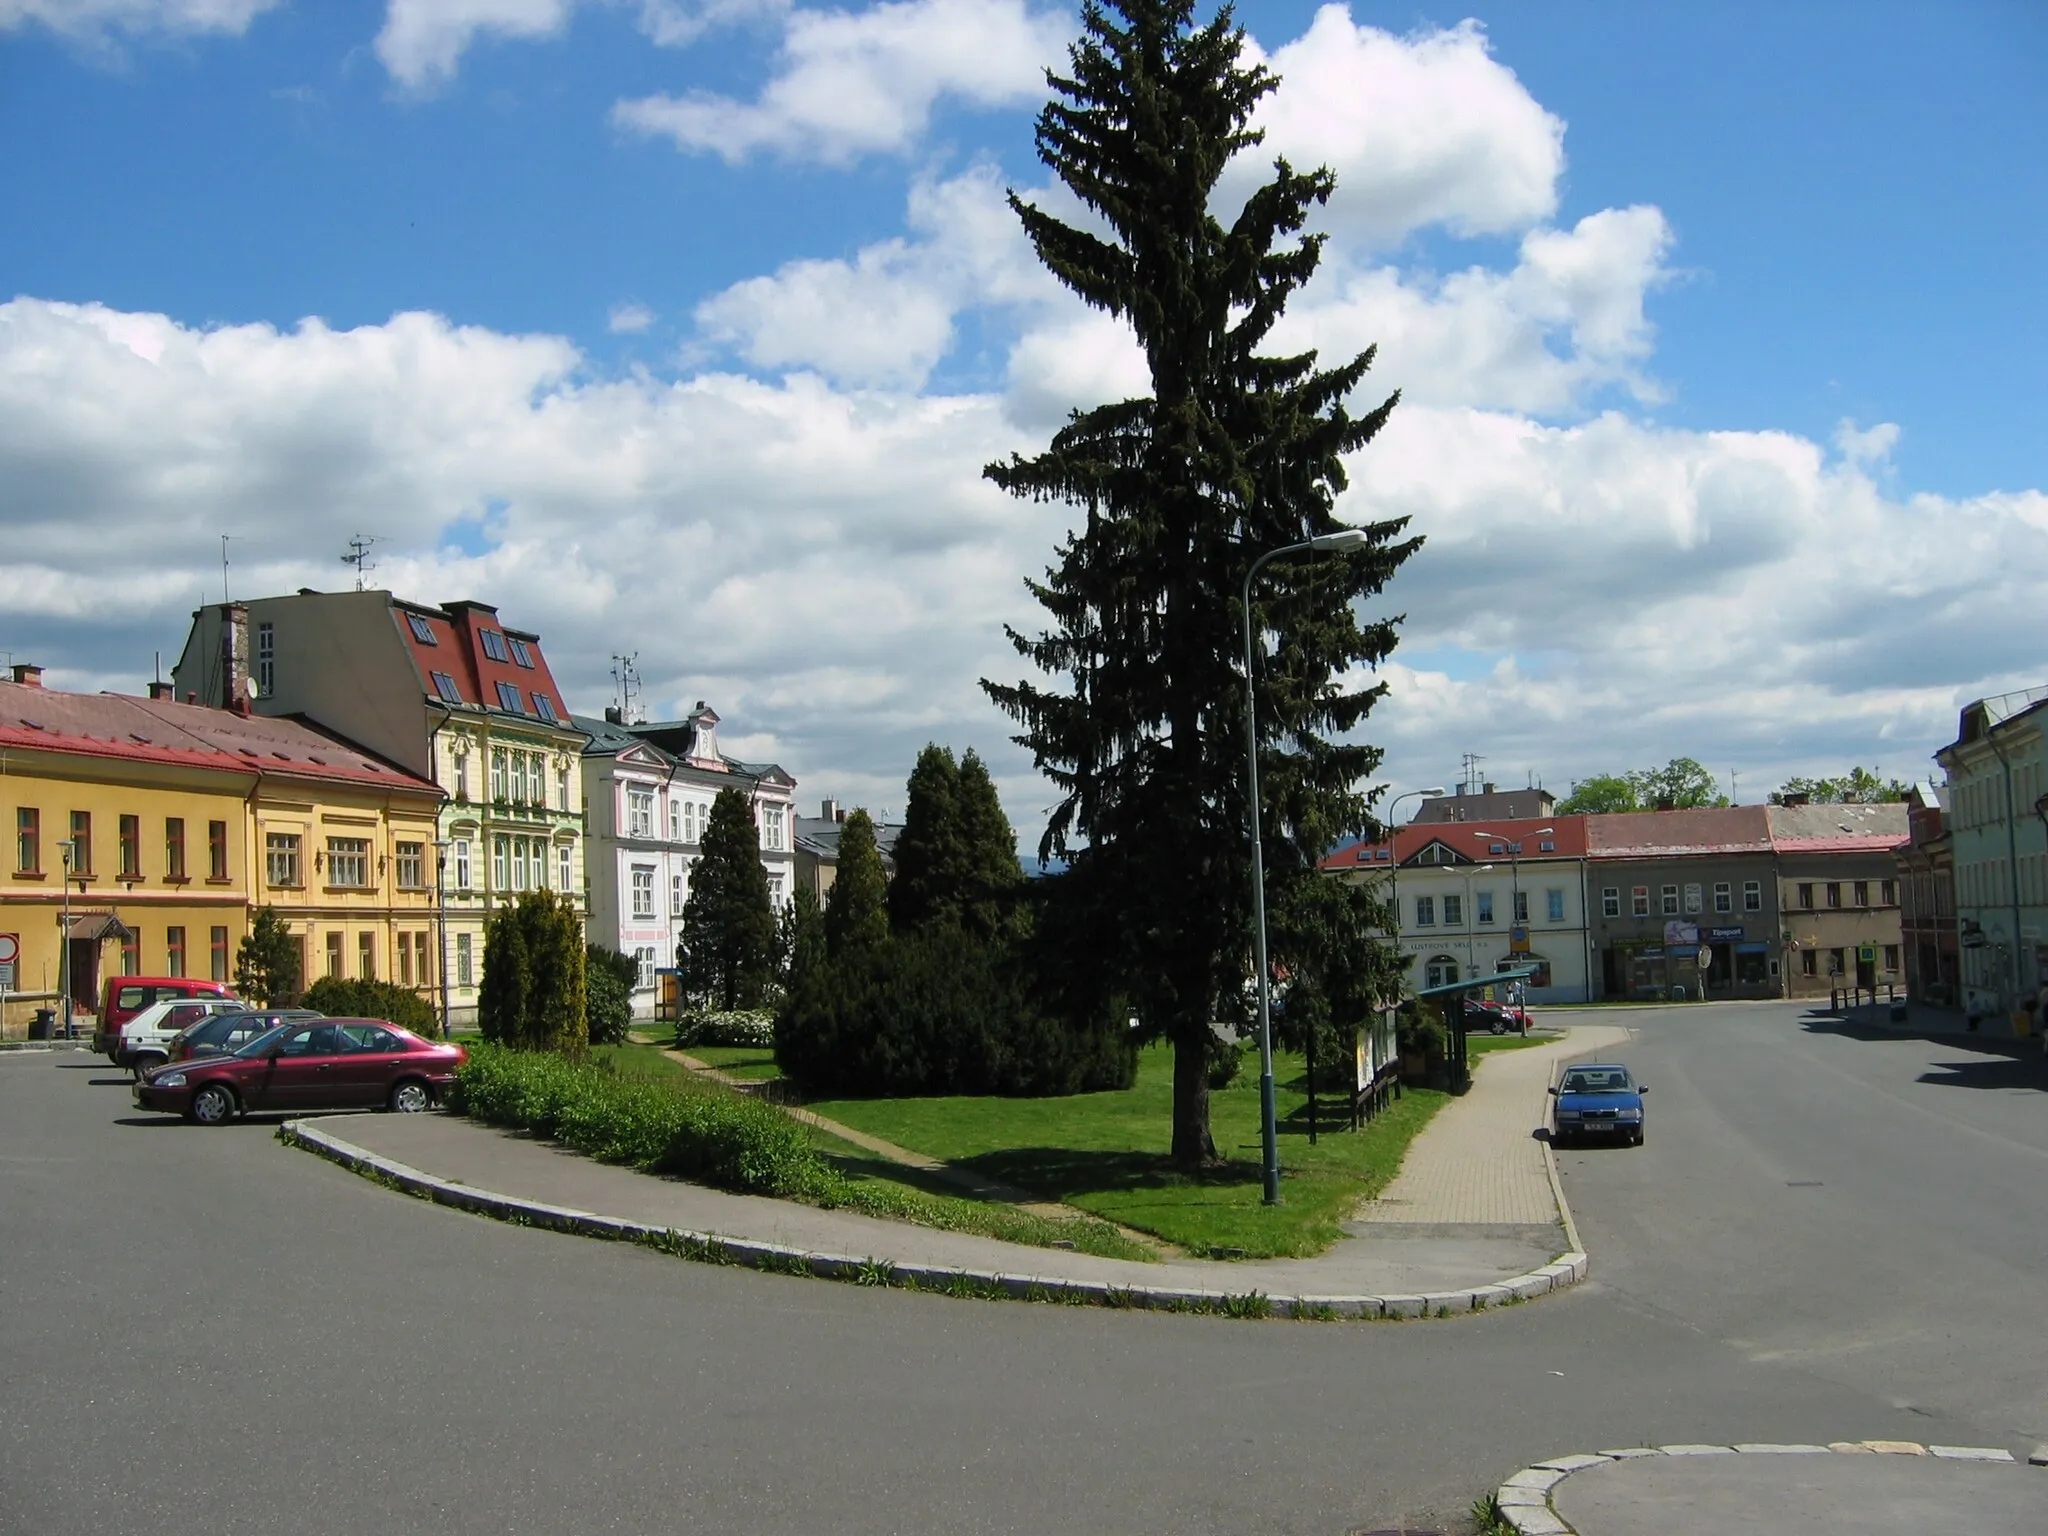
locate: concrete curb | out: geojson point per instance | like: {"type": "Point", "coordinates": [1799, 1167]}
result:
{"type": "Point", "coordinates": [713, 1248]}
{"type": "Point", "coordinates": [1525, 1505]}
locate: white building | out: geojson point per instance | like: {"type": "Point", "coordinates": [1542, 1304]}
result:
{"type": "Point", "coordinates": [1475, 900]}
{"type": "Point", "coordinates": [1998, 825]}
{"type": "Point", "coordinates": [647, 793]}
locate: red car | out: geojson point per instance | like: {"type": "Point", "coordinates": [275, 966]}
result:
{"type": "Point", "coordinates": [323, 1064]}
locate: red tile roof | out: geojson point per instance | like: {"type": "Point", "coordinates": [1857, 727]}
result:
{"type": "Point", "coordinates": [1669, 834]}
{"type": "Point", "coordinates": [458, 649]}
{"type": "Point", "coordinates": [115, 726]}
{"type": "Point", "coordinates": [1472, 840]}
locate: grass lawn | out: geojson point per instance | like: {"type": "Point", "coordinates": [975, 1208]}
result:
{"type": "Point", "coordinates": [752, 1062]}
{"type": "Point", "coordinates": [1106, 1154]}
{"type": "Point", "coordinates": [1483, 1045]}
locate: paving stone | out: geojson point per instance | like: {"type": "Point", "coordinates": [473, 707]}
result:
{"type": "Point", "coordinates": [1401, 1306]}
{"type": "Point", "coordinates": [1573, 1463]}
{"type": "Point", "coordinates": [1969, 1453]}
{"type": "Point", "coordinates": [1783, 1450]}
{"type": "Point", "coordinates": [1633, 1450]}
{"type": "Point", "coordinates": [1537, 1522]}
{"type": "Point", "coordinates": [1897, 1447]}
{"type": "Point", "coordinates": [1538, 1479]}
{"type": "Point", "coordinates": [1699, 1450]}
{"type": "Point", "coordinates": [1522, 1498]}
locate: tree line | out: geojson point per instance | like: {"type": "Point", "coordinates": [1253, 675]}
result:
{"type": "Point", "coordinates": [1684, 784]}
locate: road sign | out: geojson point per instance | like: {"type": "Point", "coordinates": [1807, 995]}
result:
{"type": "Point", "coordinates": [1867, 952]}
{"type": "Point", "coordinates": [1705, 957]}
{"type": "Point", "coordinates": [10, 948]}
{"type": "Point", "coordinates": [6, 977]}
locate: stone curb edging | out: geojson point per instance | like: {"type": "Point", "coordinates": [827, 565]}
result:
{"type": "Point", "coordinates": [1524, 1500]}
{"type": "Point", "coordinates": [712, 1248]}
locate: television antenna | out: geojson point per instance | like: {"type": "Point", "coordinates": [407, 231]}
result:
{"type": "Point", "coordinates": [626, 686]}
{"type": "Point", "coordinates": [359, 556]}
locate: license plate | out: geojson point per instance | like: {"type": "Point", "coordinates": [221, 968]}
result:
{"type": "Point", "coordinates": [1597, 1125]}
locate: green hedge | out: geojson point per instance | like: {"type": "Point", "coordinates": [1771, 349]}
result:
{"type": "Point", "coordinates": [341, 998]}
{"type": "Point", "coordinates": [726, 1140]}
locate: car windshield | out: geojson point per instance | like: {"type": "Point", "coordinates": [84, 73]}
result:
{"type": "Point", "coordinates": [264, 1041]}
{"type": "Point", "coordinates": [1598, 1080]}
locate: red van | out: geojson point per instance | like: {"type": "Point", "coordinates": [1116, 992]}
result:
{"type": "Point", "coordinates": [126, 996]}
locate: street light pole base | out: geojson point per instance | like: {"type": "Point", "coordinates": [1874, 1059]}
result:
{"type": "Point", "coordinates": [1271, 1138]}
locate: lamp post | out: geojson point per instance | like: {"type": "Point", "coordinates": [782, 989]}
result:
{"type": "Point", "coordinates": [69, 851]}
{"type": "Point", "coordinates": [1343, 539]}
{"type": "Point", "coordinates": [441, 930]}
{"type": "Point", "coordinates": [1514, 848]}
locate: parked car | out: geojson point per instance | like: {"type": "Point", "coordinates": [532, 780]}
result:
{"type": "Point", "coordinates": [1496, 1018]}
{"type": "Point", "coordinates": [1598, 1100]}
{"type": "Point", "coordinates": [226, 1033]}
{"type": "Point", "coordinates": [123, 997]}
{"type": "Point", "coordinates": [329, 1064]}
{"type": "Point", "coordinates": [145, 1040]}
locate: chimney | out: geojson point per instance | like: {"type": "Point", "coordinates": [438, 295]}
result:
{"type": "Point", "coordinates": [613, 715]}
{"type": "Point", "coordinates": [1797, 797]}
{"type": "Point", "coordinates": [28, 676]}
{"type": "Point", "coordinates": [234, 657]}
{"type": "Point", "coordinates": [829, 810]}
{"type": "Point", "coordinates": [161, 692]}
{"type": "Point", "coordinates": [1488, 786]}
{"type": "Point", "coordinates": [191, 698]}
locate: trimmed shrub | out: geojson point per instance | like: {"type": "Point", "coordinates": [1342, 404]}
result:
{"type": "Point", "coordinates": [608, 978]}
{"type": "Point", "coordinates": [940, 1012]}
{"type": "Point", "coordinates": [740, 1026]}
{"type": "Point", "coordinates": [714, 1138]}
{"type": "Point", "coordinates": [340, 998]}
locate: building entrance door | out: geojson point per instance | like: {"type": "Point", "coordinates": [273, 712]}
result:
{"type": "Point", "coordinates": [85, 974]}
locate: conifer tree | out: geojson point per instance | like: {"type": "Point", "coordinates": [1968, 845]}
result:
{"type": "Point", "coordinates": [930, 857]}
{"type": "Point", "coordinates": [1232, 453]}
{"type": "Point", "coordinates": [727, 953]}
{"type": "Point", "coordinates": [857, 906]}
{"type": "Point", "coordinates": [803, 937]}
{"type": "Point", "coordinates": [267, 961]}
{"type": "Point", "coordinates": [507, 980]}
{"type": "Point", "coordinates": [990, 875]}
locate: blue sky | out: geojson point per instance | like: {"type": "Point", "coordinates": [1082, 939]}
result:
{"type": "Point", "coordinates": [1845, 202]}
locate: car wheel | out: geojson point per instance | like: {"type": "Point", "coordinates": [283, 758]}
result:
{"type": "Point", "coordinates": [410, 1097]}
{"type": "Point", "coordinates": [145, 1062]}
{"type": "Point", "coordinates": [1639, 1136]}
{"type": "Point", "coordinates": [1498, 1027]}
{"type": "Point", "coordinates": [212, 1105]}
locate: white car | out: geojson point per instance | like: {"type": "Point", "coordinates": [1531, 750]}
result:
{"type": "Point", "coordinates": [145, 1040]}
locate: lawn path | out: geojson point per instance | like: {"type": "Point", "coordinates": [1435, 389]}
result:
{"type": "Point", "coordinates": [1479, 1160]}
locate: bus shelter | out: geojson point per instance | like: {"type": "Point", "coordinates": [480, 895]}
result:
{"type": "Point", "coordinates": [1454, 1001]}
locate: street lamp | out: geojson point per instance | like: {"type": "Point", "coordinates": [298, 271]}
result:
{"type": "Point", "coordinates": [1323, 543]}
{"type": "Point", "coordinates": [441, 931]}
{"type": "Point", "coordinates": [1394, 853]}
{"type": "Point", "coordinates": [69, 851]}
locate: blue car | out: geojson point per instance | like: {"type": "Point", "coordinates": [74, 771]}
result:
{"type": "Point", "coordinates": [1600, 1101]}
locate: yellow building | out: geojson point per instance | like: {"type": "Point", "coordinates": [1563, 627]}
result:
{"type": "Point", "coordinates": [145, 830]}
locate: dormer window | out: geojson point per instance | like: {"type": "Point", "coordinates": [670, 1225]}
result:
{"type": "Point", "coordinates": [1546, 846]}
{"type": "Point", "coordinates": [494, 644]}
{"type": "Point", "coordinates": [544, 706]}
{"type": "Point", "coordinates": [521, 654]}
{"type": "Point", "coordinates": [444, 685]}
{"type": "Point", "coordinates": [508, 697]}
{"type": "Point", "coordinates": [422, 631]}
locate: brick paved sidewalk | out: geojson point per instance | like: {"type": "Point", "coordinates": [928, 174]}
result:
{"type": "Point", "coordinates": [1479, 1160]}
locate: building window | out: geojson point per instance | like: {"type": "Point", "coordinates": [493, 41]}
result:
{"type": "Point", "coordinates": [462, 775]}
{"type": "Point", "coordinates": [1554, 905]}
{"type": "Point", "coordinates": [1671, 901]}
{"type": "Point", "coordinates": [1862, 893]}
{"type": "Point", "coordinates": [508, 699]}
{"type": "Point", "coordinates": [1441, 971]}
{"type": "Point", "coordinates": [1752, 895]}
{"type": "Point", "coordinates": [266, 660]}
{"type": "Point", "coordinates": [422, 631]}
{"type": "Point", "coordinates": [562, 787]}
{"type": "Point", "coordinates": [1888, 893]}
{"type": "Point", "coordinates": [131, 952]}
{"type": "Point", "coordinates": [771, 828]}
{"type": "Point", "coordinates": [521, 654]}
{"type": "Point", "coordinates": [676, 896]}
{"type": "Point", "coordinates": [494, 644]}
{"type": "Point", "coordinates": [174, 848]}
{"type": "Point", "coordinates": [131, 847]}
{"type": "Point", "coordinates": [643, 891]}
{"type": "Point", "coordinates": [348, 862]}
{"type": "Point", "coordinates": [1482, 907]}
{"type": "Point", "coordinates": [174, 951]}
{"type": "Point", "coordinates": [1806, 896]}
{"type": "Point", "coordinates": [518, 863]}
{"type": "Point", "coordinates": [28, 840]}
{"type": "Point", "coordinates": [1496, 849]}
{"type": "Point", "coordinates": [405, 959]}
{"type": "Point", "coordinates": [675, 821]}
{"type": "Point", "coordinates": [81, 842]}
{"type": "Point", "coordinates": [1610, 901]}
{"type": "Point", "coordinates": [1692, 898]}
{"type": "Point", "coordinates": [1425, 911]}
{"type": "Point", "coordinates": [281, 858]}
{"type": "Point", "coordinates": [216, 850]}
{"type": "Point", "coordinates": [366, 956]}
{"type": "Point", "coordinates": [1521, 906]}
{"type": "Point", "coordinates": [1809, 962]}
{"type": "Point", "coordinates": [1724, 896]}
{"type": "Point", "coordinates": [412, 866]}
{"type": "Point", "coordinates": [775, 888]}
{"type": "Point", "coordinates": [645, 957]}
{"type": "Point", "coordinates": [497, 773]}
{"type": "Point", "coordinates": [334, 954]}
{"type": "Point", "coordinates": [1639, 901]}
{"type": "Point", "coordinates": [218, 944]}
{"type": "Point", "coordinates": [1454, 910]}
{"type": "Point", "coordinates": [545, 708]}
{"type": "Point", "coordinates": [640, 813]}
{"type": "Point", "coordinates": [462, 876]}
{"type": "Point", "coordinates": [444, 685]}
{"type": "Point", "coordinates": [463, 960]}
{"type": "Point", "coordinates": [565, 857]}
{"type": "Point", "coordinates": [1834, 893]}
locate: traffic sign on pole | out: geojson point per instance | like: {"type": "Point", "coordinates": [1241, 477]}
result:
{"type": "Point", "coordinates": [10, 948]}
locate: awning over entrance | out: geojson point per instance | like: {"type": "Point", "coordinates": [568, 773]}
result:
{"type": "Point", "coordinates": [98, 925]}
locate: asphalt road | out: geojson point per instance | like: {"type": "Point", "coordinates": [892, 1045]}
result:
{"type": "Point", "coordinates": [203, 1330]}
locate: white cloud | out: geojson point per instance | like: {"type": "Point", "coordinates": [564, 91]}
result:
{"type": "Point", "coordinates": [629, 319]}
{"type": "Point", "coordinates": [850, 84]}
{"type": "Point", "coordinates": [1421, 130]}
{"type": "Point", "coordinates": [93, 21]}
{"type": "Point", "coordinates": [423, 39]}
{"type": "Point", "coordinates": [1873, 446]}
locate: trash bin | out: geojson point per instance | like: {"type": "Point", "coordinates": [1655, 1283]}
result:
{"type": "Point", "coordinates": [44, 1025]}
{"type": "Point", "coordinates": [1898, 1012]}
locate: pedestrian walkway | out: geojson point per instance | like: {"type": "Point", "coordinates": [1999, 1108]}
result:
{"type": "Point", "coordinates": [1479, 1161]}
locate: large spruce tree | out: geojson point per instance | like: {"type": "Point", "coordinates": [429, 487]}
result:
{"type": "Point", "coordinates": [931, 860]}
{"type": "Point", "coordinates": [857, 905]}
{"type": "Point", "coordinates": [728, 951]}
{"type": "Point", "coordinates": [1231, 454]}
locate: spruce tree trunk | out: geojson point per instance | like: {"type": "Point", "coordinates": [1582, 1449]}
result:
{"type": "Point", "coordinates": [1193, 1147]}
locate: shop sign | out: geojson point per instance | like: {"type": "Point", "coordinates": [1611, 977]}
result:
{"type": "Point", "coordinates": [1682, 935]}
{"type": "Point", "coordinates": [1724, 935]}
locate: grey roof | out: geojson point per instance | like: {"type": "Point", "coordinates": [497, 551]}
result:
{"type": "Point", "coordinates": [608, 738]}
{"type": "Point", "coordinates": [820, 836]}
